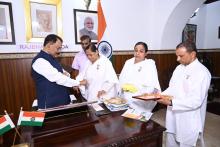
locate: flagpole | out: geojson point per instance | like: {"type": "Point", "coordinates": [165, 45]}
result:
{"type": "Point", "coordinates": [8, 114]}
{"type": "Point", "coordinates": [15, 127]}
{"type": "Point", "coordinates": [14, 138]}
{"type": "Point", "coordinates": [101, 21]}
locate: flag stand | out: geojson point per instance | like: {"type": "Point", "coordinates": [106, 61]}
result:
{"type": "Point", "coordinates": [17, 132]}
{"type": "Point", "coordinates": [22, 145]}
{"type": "Point", "coordinates": [25, 144]}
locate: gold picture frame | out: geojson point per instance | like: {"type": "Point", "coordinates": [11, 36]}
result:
{"type": "Point", "coordinates": [46, 11]}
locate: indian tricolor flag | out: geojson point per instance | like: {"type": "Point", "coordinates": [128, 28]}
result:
{"type": "Point", "coordinates": [31, 118]}
{"type": "Point", "coordinates": [6, 124]}
{"type": "Point", "coordinates": [101, 22]}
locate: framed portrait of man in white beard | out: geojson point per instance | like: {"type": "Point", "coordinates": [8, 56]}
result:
{"type": "Point", "coordinates": [86, 23]}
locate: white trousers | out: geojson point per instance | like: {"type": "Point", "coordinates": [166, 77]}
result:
{"type": "Point", "coordinates": [171, 141]}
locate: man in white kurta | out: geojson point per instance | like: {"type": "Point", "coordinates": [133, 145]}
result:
{"type": "Point", "coordinates": [189, 86]}
{"type": "Point", "coordinates": [143, 75]}
{"type": "Point", "coordinates": [100, 75]}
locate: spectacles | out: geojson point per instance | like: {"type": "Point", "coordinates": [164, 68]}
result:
{"type": "Point", "coordinates": [89, 23]}
{"type": "Point", "coordinates": [84, 43]}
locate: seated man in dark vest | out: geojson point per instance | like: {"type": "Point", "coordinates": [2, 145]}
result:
{"type": "Point", "coordinates": [50, 78]}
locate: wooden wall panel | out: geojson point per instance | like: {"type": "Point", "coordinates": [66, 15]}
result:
{"type": "Point", "coordinates": [118, 62]}
{"type": "Point", "coordinates": [17, 87]}
{"type": "Point", "coordinates": [214, 61]}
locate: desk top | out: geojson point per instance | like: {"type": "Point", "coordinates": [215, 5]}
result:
{"type": "Point", "coordinates": [215, 78]}
{"type": "Point", "coordinates": [84, 128]}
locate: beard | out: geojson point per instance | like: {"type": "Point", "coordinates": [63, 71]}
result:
{"type": "Point", "coordinates": [89, 29]}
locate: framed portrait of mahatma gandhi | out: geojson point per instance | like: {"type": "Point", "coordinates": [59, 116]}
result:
{"type": "Point", "coordinates": [86, 23]}
{"type": "Point", "coordinates": [6, 24]}
{"type": "Point", "coordinates": [43, 17]}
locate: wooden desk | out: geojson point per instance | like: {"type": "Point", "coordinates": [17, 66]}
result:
{"type": "Point", "coordinates": [85, 129]}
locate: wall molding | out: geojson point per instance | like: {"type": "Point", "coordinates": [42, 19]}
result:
{"type": "Point", "coordinates": [71, 54]}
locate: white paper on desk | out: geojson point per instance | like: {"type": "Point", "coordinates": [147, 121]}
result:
{"type": "Point", "coordinates": [72, 97]}
{"type": "Point", "coordinates": [97, 107]}
{"type": "Point", "coordinates": [34, 104]}
{"type": "Point", "coordinates": [135, 114]}
{"type": "Point", "coordinates": [147, 115]}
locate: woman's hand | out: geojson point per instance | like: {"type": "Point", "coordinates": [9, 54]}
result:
{"type": "Point", "coordinates": [100, 93]}
{"type": "Point", "coordinates": [83, 83]}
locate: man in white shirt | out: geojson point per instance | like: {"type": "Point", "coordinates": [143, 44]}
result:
{"type": "Point", "coordinates": [186, 111]}
{"type": "Point", "coordinates": [80, 58]}
{"type": "Point", "coordinates": [50, 78]}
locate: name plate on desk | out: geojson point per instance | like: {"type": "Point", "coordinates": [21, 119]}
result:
{"type": "Point", "coordinates": [66, 110]}
{"type": "Point", "coordinates": [64, 107]}
{"type": "Point", "coordinates": [62, 121]}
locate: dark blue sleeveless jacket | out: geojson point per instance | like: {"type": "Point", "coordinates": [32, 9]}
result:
{"type": "Point", "coordinates": [49, 94]}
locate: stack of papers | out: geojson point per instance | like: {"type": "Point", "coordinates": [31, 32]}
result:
{"type": "Point", "coordinates": [129, 88]}
{"type": "Point", "coordinates": [116, 104]}
{"type": "Point", "coordinates": [114, 107]}
{"type": "Point", "coordinates": [134, 114]}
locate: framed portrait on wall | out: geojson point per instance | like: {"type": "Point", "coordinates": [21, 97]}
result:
{"type": "Point", "coordinates": [189, 33]}
{"type": "Point", "coordinates": [7, 35]}
{"type": "Point", "coordinates": [86, 23]}
{"type": "Point", "coordinates": [43, 17]}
